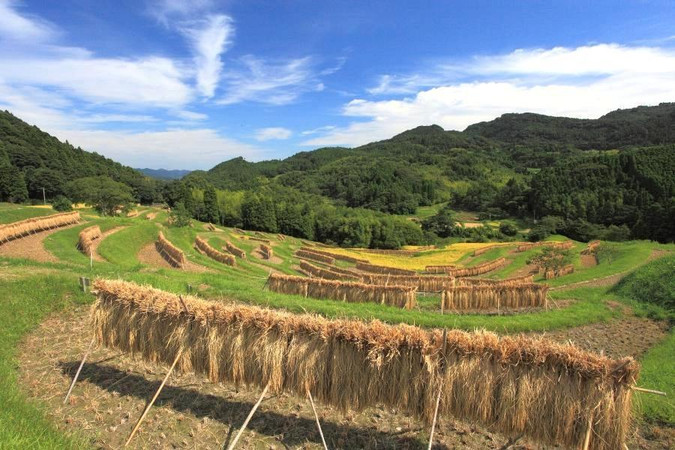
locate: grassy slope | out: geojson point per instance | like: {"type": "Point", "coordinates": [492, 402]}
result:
{"type": "Point", "coordinates": [13, 213]}
{"type": "Point", "coordinates": [24, 304]}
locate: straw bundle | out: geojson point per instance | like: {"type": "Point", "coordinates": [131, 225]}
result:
{"type": "Point", "coordinates": [480, 251]}
{"type": "Point", "coordinates": [240, 231]}
{"type": "Point", "coordinates": [314, 256]}
{"type": "Point", "coordinates": [328, 274]}
{"type": "Point", "coordinates": [172, 254]}
{"type": "Point", "coordinates": [210, 227]}
{"type": "Point", "coordinates": [565, 245]}
{"type": "Point", "coordinates": [16, 230]}
{"type": "Point", "coordinates": [514, 384]}
{"type": "Point", "coordinates": [421, 283]}
{"type": "Point", "coordinates": [438, 269]}
{"type": "Point", "coordinates": [509, 281]}
{"type": "Point", "coordinates": [346, 291]}
{"type": "Point", "coordinates": [264, 241]}
{"type": "Point", "coordinates": [204, 247]}
{"type": "Point", "coordinates": [281, 237]}
{"type": "Point", "coordinates": [86, 239]}
{"type": "Point", "coordinates": [565, 270]}
{"type": "Point", "coordinates": [133, 213]}
{"type": "Point", "coordinates": [591, 248]}
{"type": "Point", "coordinates": [366, 267]}
{"type": "Point", "coordinates": [334, 255]}
{"type": "Point", "coordinates": [236, 251]}
{"type": "Point", "coordinates": [346, 272]}
{"type": "Point", "coordinates": [266, 251]}
{"type": "Point", "coordinates": [477, 270]}
{"type": "Point", "coordinates": [495, 296]}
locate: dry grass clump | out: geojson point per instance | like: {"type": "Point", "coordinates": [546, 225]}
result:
{"type": "Point", "coordinates": [480, 269]}
{"type": "Point", "coordinates": [366, 267]}
{"type": "Point", "coordinates": [266, 251]}
{"type": "Point", "coordinates": [236, 251]}
{"type": "Point", "coordinates": [172, 254]}
{"type": "Point", "coordinates": [85, 242]}
{"type": "Point", "coordinates": [328, 273]}
{"type": "Point", "coordinates": [565, 270]}
{"type": "Point", "coordinates": [565, 245]}
{"type": "Point", "coordinates": [346, 291]}
{"type": "Point", "coordinates": [439, 269]}
{"type": "Point", "coordinates": [495, 296]}
{"type": "Point", "coordinates": [334, 255]}
{"type": "Point", "coordinates": [514, 384]}
{"type": "Point", "coordinates": [314, 256]}
{"type": "Point", "coordinates": [17, 230]}
{"type": "Point", "coordinates": [205, 248]}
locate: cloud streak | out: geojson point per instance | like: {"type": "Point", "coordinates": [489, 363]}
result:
{"type": "Point", "coordinates": [273, 133]}
{"type": "Point", "coordinates": [583, 82]}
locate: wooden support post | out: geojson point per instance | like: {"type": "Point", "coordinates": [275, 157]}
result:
{"type": "Point", "coordinates": [440, 388]}
{"type": "Point", "coordinates": [79, 369]}
{"type": "Point", "coordinates": [147, 408]}
{"type": "Point", "coordinates": [91, 259]}
{"type": "Point", "coordinates": [648, 391]}
{"type": "Point", "coordinates": [248, 418]}
{"type": "Point", "coordinates": [316, 416]}
{"type": "Point", "coordinates": [589, 431]}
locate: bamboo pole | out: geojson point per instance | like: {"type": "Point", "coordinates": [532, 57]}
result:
{"type": "Point", "coordinates": [440, 391]}
{"type": "Point", "coordinates": [316, 416]}
{"type": "Point", "coordinates": [648, 391]}
{"type": "Point", "coordinates": [248, 418]}
{"type": "Point", "coordinates": [589, 430]}
{"type": "Point", "coordinates": [147, 408]}
{"type": "Point", "coordinates": [79, 369]}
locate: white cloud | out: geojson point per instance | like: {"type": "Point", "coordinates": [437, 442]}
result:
{"type": "Point", "coordinates": [171, 149]}
{"type": "Point", "coordinates": [267, 134]}
{"type": "Point", "coordinates": [190, 115]}
{"type": "Point", "coordinates": [14, 26]}
{"type": "Point", "coordinates": [165, 10]}
{"type": "Point", "coordinates": [209, 38]}
{"type": "Point", "coordinates": [584, 82]}
{"type": "Point", "coordinates": [274, 83]}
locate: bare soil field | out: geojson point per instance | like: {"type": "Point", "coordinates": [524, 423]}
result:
{"type": "Point", "coordinates": [32, 246]}
{"type": "Point", "coordinates": [151, 257]}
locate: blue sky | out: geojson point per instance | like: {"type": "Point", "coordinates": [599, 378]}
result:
{"type": "Point", "coordinates": [186, 85]}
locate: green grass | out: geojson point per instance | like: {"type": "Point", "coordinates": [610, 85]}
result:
{"type": "Point", "coordinates": [25, 303]}
{"type": "Point", "coordinates": [658, 372]}
{"type": "Point", "coordinates": [653, 283]}
{"type": "Point", "coordinates": [12, 213]}
{"type": "Point", "coordinates": [121, 248]}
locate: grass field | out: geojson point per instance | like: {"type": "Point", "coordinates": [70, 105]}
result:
{"type": "Point", "coordinates": [30, 290]}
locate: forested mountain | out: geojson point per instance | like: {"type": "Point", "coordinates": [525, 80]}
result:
{"type": "Point", "coordinates": [612, 178]}
{"type": "Point", "coordinates": [31, 160]}
{"type": "Point", "coordinates": [164, 174]}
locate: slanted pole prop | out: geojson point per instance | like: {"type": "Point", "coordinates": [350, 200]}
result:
{"type": "Point", "coordinates": [147, 408]}
{"type": "Point", "coordinates": [316, 416]}
{"type": "Point", "coordinates": [248, 419]}
{"type": "Point", "coordinates": [79, 369]}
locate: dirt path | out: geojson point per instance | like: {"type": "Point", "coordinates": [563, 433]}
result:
{"type": "Point", "coordinates": [631, 336]}
{"type": "Point", "coordinates": [32, 246]}
{"type": "Point", "coordinates": [97, 242]}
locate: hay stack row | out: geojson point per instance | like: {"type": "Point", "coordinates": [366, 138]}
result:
{"type": "Point", "coordinates": [205, 248]}
{"type": "Point", "coordinates": [264, 241]}
{"type": "Point", "coordinates": [346, 291]}
{"type": "Point", "coordinates": [236, 251]}
{"type": "Point", "coordinates": [480, 269]}
{"type": "Point", "coordinates": [210, 227]}
{"type": "Point", "coordinates": [86, 238]}
{"type": "Point", "coordinates": [565, 270]}
{"type": "Point", "coordinates": [480, 251]}
{"type": "Point", "coordinates": [16, 230]}
{"type": "Point", "coordinates": [495, 296]}
{"type": "Point", "coordinates": [328, 274]}
{"type": "Point", "coordinates": [376, 251]}
{"type": "Point", "coordinates": [372, 268]}
{"type": "Point", "coordinates": [565, 245]}
{"type": "Point", "coordinates": [172, 254]}
{"type": "Point", "coordinates": [314, 256]}
{"type": "Point", "coordinates": [266, 251]}
{"type": "Point", "coordinates": [240, 231]}
{"type": "Point", "coordinates": [484, 281]}
{"type": "Point", "coordinates": [334, 255]}
{"type": "Point", "coordinates": [439, 269]}
{"type": "Point", "coordinates": [133, 213]}
{"type": "Point", "coordinates": [548, 392]}
{"type": "Point", "coordinates": [281, 237]}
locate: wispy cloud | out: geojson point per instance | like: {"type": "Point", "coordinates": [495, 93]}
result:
{"type": "Point", "coordinates": [16, 27]}
{"type": "Point", "coordinates": [583, 82]}
{"type": "Point", "coordinates": [274, 83]}
{"type": "Point", "coordinates": [273, 133]}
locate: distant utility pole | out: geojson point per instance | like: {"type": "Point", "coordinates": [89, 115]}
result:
{"type": "Point", "coordinates": [44, 196]}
